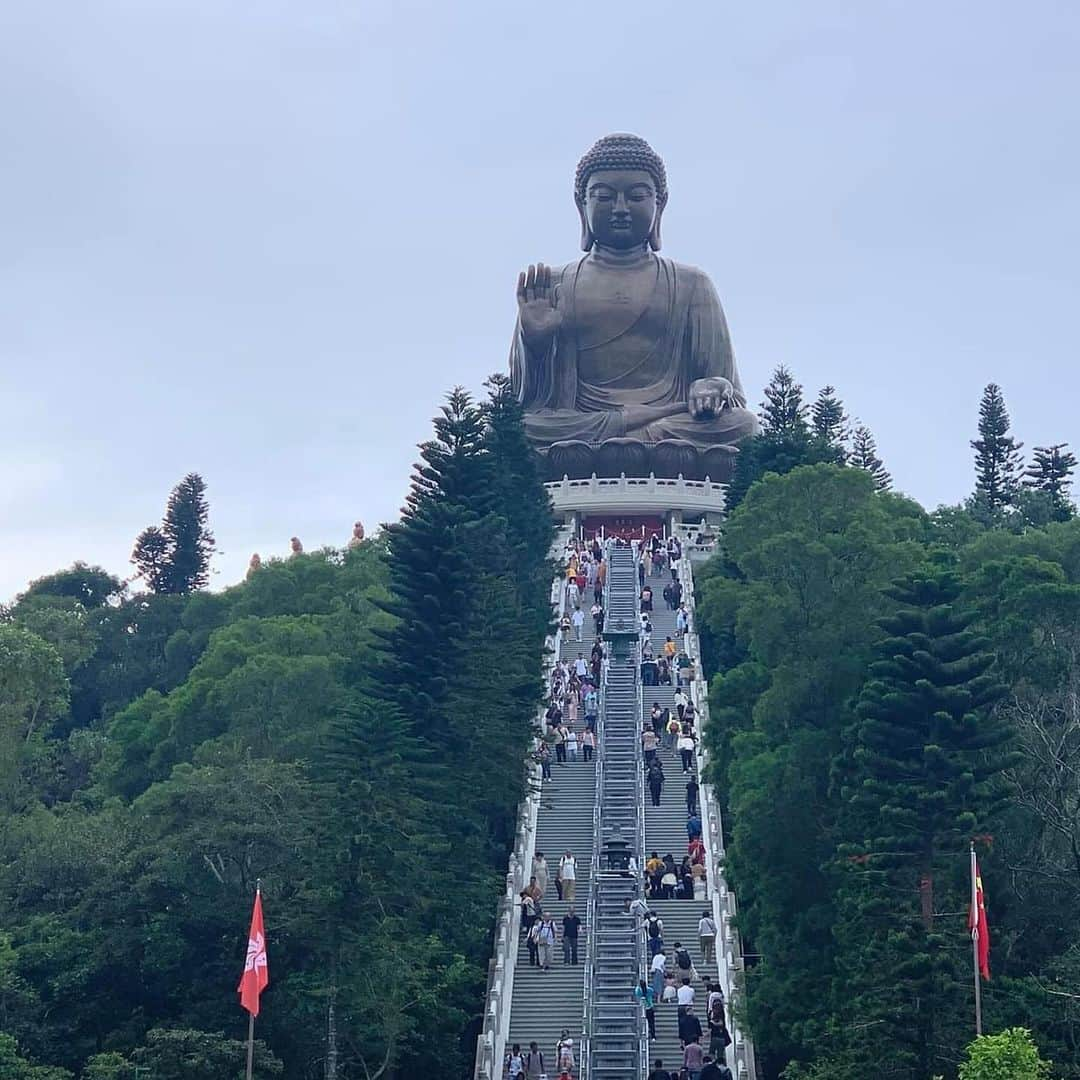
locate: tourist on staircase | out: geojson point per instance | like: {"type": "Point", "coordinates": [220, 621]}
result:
{"type": "Point", "coordinates": [647, 999]}
{"type": "Point", "coordinates": [571, 929]}
{"type": "Point", "coordinates": [534, 1062]}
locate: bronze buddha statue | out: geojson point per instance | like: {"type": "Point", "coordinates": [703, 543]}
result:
{"type": "Point", "coordinates": [622, 359]}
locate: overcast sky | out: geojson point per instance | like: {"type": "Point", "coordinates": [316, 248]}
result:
{"type": "Point", "coordinates": [258, 239]}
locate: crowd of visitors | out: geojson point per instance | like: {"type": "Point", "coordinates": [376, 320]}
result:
{"type": "Point", "coordinates": [531, 1064]}
{"type": "Point", "coordinates": [570, 735]}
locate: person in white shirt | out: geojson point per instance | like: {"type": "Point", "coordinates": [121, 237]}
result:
{"type": "Point", "coordinates": [581, 666]}
{"type": "Point", "coordinates": [656, 974]}
{"type": "Point", "coordinates": [707, 934]}
{"type": "Point", "coordinates": [684, 995]}
{"type": "Point", "coordinates": [577, 620]}
{"type": "Point", "coordinates": [572, 744]}
{"type": "Point", "coordinates": [568, 876]}
{"type": "Point", "coordinates": [681, 701]}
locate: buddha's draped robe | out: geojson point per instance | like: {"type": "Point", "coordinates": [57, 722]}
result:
{"type": "Point", "coordinates": [627, 386]}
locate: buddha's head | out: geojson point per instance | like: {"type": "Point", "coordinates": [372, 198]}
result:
{"type": "Point", "coordinates": [621, 190]}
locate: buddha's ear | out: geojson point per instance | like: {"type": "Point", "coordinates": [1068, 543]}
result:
{"type": "Point", "coordinates": [654, 232]}
{"type": "Point", "coordinates": [586, 233]}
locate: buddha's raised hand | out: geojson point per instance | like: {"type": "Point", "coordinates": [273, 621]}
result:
{"type": "Point", "coordinates": [538, 306]}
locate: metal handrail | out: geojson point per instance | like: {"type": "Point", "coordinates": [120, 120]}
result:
{"type": "Point", "coordinates": [639, 758]}
{"type": "Point", "coordinates": [585, 1063]}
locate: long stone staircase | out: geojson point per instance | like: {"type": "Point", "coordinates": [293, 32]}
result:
{"type": "Point", "coordinates": [579, 809]}
{"type": "Point", "coordinates": [546, 1003]}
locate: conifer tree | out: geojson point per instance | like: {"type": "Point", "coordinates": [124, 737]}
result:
{"type": "Point", "coordinates": [785, 442]}
{"type": "Point", "coordinates": [997, 454]}
{"type": "Point", "coordinates": [521, 499]}
{"type": "Point", "coordinates": [449, 499]}
{"type": "Point", "coordinates": [918, 777]}
{"type": "Point", "coordinates": [1050, 472]}
{"type": "Point", "coordinates": [829, 422]}
{"type": "Point", "coordinates": [174, 558]}
{"type": "Point", "coordinates": [864, 456]}
{"type": "Point", "coordinates": [783, 412]}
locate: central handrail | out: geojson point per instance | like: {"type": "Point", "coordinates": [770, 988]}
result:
{"type": "Point", "coordinates": [639, 758]}
{"type": "Point", "coordinates": [594, 863]}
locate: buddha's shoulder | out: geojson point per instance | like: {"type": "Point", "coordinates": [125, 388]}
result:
{"type": "Point", "coordinates": [691, 275]}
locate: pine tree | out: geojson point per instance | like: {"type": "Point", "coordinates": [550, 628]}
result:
{"type": "Point", "coordinates": [521, 499]}
{"type": "Point", "coordinates": [864, 456]}
{"type": "Point", "coordinates": [829, 422]}
{"type": "Point", "coordinates": [430, 566]}
{"type": "Point", "coordinates": [786, 440]}
{"type": "Point", "coordinates": [997, 454]}
{"type": "Point", "coordinates": [919, 775]}
{"type": "Point", "coordinates": [783, 412]}
{"type": "Point", "coordinates": [1051, 473]}
{"type": "Point", "coordinates": [174, 558]}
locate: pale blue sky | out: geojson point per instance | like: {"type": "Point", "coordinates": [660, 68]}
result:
{"type": "Point", "coordinates": [260, 239]}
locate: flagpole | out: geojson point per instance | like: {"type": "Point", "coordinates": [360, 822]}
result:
{"type": "Point", "coordinates": [974, 943]}
{"type": "Point", "coordinates": [251, 1044]}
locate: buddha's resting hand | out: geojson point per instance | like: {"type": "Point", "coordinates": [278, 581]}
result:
{"type": "Point", "coordinates": [709, 396]}
{"type": "Point", "coordinates": [538, 307]}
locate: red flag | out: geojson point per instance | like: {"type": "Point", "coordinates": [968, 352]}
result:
{"type": "Point", "coordinates": [256, 972]}
{"type": "Point", "coordinates": [977, 924]}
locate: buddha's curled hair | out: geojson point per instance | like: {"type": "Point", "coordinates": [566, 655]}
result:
{"type": "Point", "coordinates": [621, 152]}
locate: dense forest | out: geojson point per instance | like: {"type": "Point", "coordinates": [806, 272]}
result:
{"type": "Point", "coordinates": [889, 685]}
{"type": "Point", "coordinates": [348, 726]}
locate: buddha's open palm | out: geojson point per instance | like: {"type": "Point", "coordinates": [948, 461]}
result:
{"type": "Point", "coordinates": [538, 305]}
{"type": "Point", "coordinates": [709, 396]}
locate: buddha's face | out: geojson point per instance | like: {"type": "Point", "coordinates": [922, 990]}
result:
{"type": "Point", "coordinates": [620, 207]}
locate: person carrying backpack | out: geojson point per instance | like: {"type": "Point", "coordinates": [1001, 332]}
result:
{"type": "Point", "coordinates": [534, 1062]}
{"type": "Point", "coordinates": [515, 1063]}
{"type": "Point", "coordinates": [654, 934]}
{"type": "Point", "coordinates": [683, 963]}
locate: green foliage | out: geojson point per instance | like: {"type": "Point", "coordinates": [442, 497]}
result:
{"type": "Point", "coordinates": [1009, 1055]}
{"type": "Point", "coordinates": [283, 729]}
{"type": "Point", "coordinates": [997, 456]}
{"type": "Point", "coordinates": [805, 559]}
{"type": "Point", "coordinates": [864, 456]}
{"type": "Point", "coordinates": [175, 558]}
{"type": "Point", "coordinates": [14, 1067]}
{"type": "Point", "coordinates": [829, 422]}
{"type": "Point", "coordinates": [787, 440]}
{"type": "Point", "coordinates": [180, 1054]}
{"type": "Point", "coordinates": [919, 775]}
{"type": "Point", "coordinates": [1050, 474]}
{"type": "Point", "coordinates": [109, 1066]}
{"type": "Point", "coordinates": [90, 586]}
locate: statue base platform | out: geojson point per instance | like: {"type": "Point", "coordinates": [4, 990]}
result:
{"type": "Point", "coordinates": [668, 459]}
{"type": "Point", "coordinates": [656, 498]}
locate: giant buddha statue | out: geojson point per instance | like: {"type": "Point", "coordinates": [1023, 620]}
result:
{"type": "Point", "coordinates": [622, 359]}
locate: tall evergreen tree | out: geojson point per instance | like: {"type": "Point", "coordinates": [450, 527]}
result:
{"type": "Point", "coordinates": [829, 422]}
{"type": "Point", "coordinates": [174, 558]}
{"type": "Point", "coordinates": [1051, 472]}
{"type": "Point", "coordinates": [785, 442]}
{"type": "Point", "coordinates": [919, 775]}
{"type": "Point", "coordinates": [997, 454]}
{"type": "Point", "coordinates": [450, 499]}
{"type": "Point", "coordinates": [783, 412]}
{"type": "Point", "coordinates": [522, 500]}
{"type": "Point", "coordinates": [864, 455]}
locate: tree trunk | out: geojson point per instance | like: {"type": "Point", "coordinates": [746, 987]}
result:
{"type": "Point", "coordinates": [331, 1035]}
{"type": "Point", "coordinates": [926, 895]}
